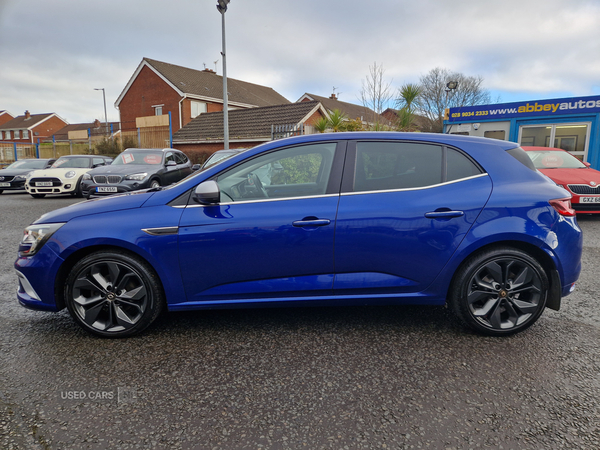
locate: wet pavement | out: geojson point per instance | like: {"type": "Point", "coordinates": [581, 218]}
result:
{"type": "Point", "coordinates": [341, 378]}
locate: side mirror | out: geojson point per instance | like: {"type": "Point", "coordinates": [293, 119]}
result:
{"type": "Point", "coordinates": [587, 164]}
{"type": "Point", "coordinates": [207, 193]}
{"type": "Point", "coordinates": [171, 163]}
{"type": "Point", "coordinates": [196, 167]}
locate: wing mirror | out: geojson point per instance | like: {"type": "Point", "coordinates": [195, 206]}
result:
{"type": "Point", "coordinates": [171, 163]}
{"type": "Point", "coordinates": [207, 193]}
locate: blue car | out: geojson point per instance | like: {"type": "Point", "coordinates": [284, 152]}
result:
{"type": "Point", "coordinates": [346, 219]}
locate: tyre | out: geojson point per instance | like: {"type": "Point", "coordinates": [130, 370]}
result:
{"type": "Point", "coordinates": [38, 195]}
{"type": "Point", "coordinates": [499, 292]}
{"type": "Point", "coordinates": [154, 184]}
{"type": "Point", "coordinates": [113, 294]}
{"type": "Point", "coordinates": [77, 192]}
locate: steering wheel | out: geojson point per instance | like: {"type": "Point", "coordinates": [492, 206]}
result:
{"type": "Point", "coordinates": [254, 184]}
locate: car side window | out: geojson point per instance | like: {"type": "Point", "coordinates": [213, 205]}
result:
{"type": "Point", "coordinates": [459, 166]}
{"type": "Point", "coordinates": [291, 172]}
{"type": "Point", "coordinates": [181, 158]}
{"type": "Point", "coordinates": [396, 165]}
{"type": "Point", "coordinates": [170, 157]}
{"type": "Point", "coordinates": [98, 162]}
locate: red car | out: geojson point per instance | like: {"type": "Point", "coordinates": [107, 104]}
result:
{"type": "Point", "coordinates": [567, 171]}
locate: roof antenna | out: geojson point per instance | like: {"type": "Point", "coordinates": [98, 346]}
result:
{"type": "Point", "coordinates": [204, 64]}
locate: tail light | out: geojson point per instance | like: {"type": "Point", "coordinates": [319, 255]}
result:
{"type": "Point", "coordinates": [563, 206]}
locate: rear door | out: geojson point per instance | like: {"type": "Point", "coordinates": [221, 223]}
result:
{"type": "Point", "coordinates": [404, 209]}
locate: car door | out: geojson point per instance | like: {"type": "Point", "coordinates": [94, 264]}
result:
{"type": "Point", "coordinates": [404, 209]}
{"type": "Point", "coordinates": [183, 164]}
{"type": "Point", "coordinates": [271, 236]}
{"type": "Point", "coordinates": [171, 171]}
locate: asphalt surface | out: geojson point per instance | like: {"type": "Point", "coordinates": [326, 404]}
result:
{"type": "Point", "coordinates": [341, 378]}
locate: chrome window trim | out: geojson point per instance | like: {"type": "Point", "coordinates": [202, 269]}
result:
{"type": "Point", "coordinates": [264, 200]}
{"type": "Point", "coordinates": [417, 188]}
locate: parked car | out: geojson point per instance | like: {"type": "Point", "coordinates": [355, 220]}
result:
{"type": "Point", "coordinates": [220, 155]}
{"type": "Point", "coordinates": [135, 169]}
{"type": "Point", "coordinates": [64, 176]}
{"type": "Point", "coordinates": [577, 177]}
{"type": "Point", "coordinates": [12, 177]}
{"type": "Point", "coordinates": [350, 219]}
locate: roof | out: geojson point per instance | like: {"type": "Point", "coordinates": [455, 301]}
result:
{"type": "Point", "coordinates": [22, 122]}
{"type": "Point", "coordinates": [253, 123]}
{"type": "Point", "coordinates": [350, 109]}
{"type": "Point", "coordinates": [206, 84]}
{"type": "Point", "coordinates": [96, 128]}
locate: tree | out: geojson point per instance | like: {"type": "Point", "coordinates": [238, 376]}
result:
{"type": "Point", "coordinates": [376, 93]}
{"type": "Point", "coordinates": [407, 103]}
{"type": "Point", "coordinates": [436, 97]}
{"type": "Point", "coordinates": [336, 122]}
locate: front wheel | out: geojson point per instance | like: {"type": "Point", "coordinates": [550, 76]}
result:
{"type": "Point", "coordinates": [499, 292]}
{"type": "Point", "coordinates": [113, 294]}
{"type": "Point", "coordinates": [154, 184]}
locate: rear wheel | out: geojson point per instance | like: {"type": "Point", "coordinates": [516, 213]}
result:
{"type": "Point", "coordinates": [499, 292]}
{"type": "Point", "coordinates": [113, 294]}
{"type": "Point", "coordinates": [38, 195]}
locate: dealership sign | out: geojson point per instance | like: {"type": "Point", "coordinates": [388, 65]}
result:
{"type": "Point", "coordinates": [553, 107]}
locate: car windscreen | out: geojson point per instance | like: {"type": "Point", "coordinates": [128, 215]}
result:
{"type": "Point", "coordinates": [71, 163]}
{"type": "Point", "coordinates": [28, 164]}
{"type": "Point", "coordinates": [143, 158]}
{"type": "Point", "coordinates": [553, 159]}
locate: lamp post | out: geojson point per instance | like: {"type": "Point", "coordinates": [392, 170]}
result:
{"type": "Point", "coordinates": [450, 88]}
{"type": "Point", "coordinates": [105, 116]}
{"type": "Point", "coordinates": [222, 8]}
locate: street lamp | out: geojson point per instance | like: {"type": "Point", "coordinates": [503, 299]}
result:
{"type": "Point", "coordinates": [105, 116]}
{"type": "Point", "coordinates": [450, 88]}
{"type": "Point", "coordinates": [222, 8]}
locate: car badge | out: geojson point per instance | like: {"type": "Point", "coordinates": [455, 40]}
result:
{"type": "Point", "coordinates": [592, 183]}
{"type": "Point", "coordinates": [1, 178]}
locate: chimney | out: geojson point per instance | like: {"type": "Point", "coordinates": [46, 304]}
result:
{"type": "Point", "coordinates": [209, 70]}
{"type": "Point", "coordinates": [27, 115]}
{"type": "Point", "coordinates": [333, 97]}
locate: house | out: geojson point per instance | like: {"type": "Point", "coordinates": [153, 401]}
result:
{"type": "Point", "coordinates": [247, 127]}
{"type": "Point", "coordinates": [157, 88]}
{"type": "Point", "coordinates": [352, 111]}
{"type": "Point", "coordinates": [28, 128]}
{"type": "Point", "coordinates": [94, 129]}
{"type": "Point", "coordinates": [5, 116]}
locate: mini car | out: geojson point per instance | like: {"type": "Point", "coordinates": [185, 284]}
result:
{"type": "Point", "coordinates": [335, 219]}
{"type": "Point", "coordinates": [64, 176]}
{"type": "Point", "coordinates": [577, 177]}
{"type": "Point", "coordinates": [135, 169]}
{"type": "Point", "coordinates": [12, 178]}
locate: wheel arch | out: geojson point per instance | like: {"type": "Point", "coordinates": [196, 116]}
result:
{"type": "Point", "coordinates": [542, 257]}
{"type": "Point", "coordinates": [73, 258]}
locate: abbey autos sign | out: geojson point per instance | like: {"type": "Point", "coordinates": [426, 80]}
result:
{"type": "Point", "coordinates": [553, 107]}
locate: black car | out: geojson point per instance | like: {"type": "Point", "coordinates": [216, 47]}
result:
{"type": "Point", "coordinates": [137, 168]}
{"type": "Point", "coordinates": [12, 178]}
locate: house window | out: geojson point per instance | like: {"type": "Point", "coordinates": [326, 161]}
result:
{"type": "Point", "coordinates": [17, 134]}
{"type": "Point", "coordinates": [198, 108]}
{"type": "Point", "coordinates": [158, 110]}
{"type": "Point", "coordinates": [25, 134]}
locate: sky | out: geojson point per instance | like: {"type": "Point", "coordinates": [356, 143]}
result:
{"type": "Point", "coordinates": [53, 54]}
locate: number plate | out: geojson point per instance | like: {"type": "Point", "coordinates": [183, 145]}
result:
{"type": "Point", "coordinates": [106, 189]}
{"type": "Point", "coordinates": [589, 199]}
{"type": "Point", "coordinates": [43, 183]}
{"type": "Point", "coordinates": [4, 184]}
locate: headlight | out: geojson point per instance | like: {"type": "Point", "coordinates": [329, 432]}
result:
{"type": "Point", "coordinates": [136, 176]}
{"type": "Point", "coordinates": [35, 236]}
{"type": "Point", "coordinates": [86, 176]}
{"type": "Point", "coordinates": [70, 174]}
{"type": "Point", "coordinates": [19, 177]}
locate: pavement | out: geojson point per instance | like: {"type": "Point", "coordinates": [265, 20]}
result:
{"type": "Point", "coordinates": [314, 378]}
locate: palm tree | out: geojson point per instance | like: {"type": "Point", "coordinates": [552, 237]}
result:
{"type": "Point", "coordinates": [407, 102]}
{"type": "Point", "coordinates": [337, 121]}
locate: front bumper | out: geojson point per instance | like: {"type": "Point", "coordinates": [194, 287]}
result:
{"type": "Point", "coordinates": [56, 188]}
{"type": "Point", "coordinates": [91, 189]}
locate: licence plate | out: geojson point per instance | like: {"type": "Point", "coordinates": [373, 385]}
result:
{"type": "Point", "coordinates": [4, 184]}
{"type": "Point", "coordinates": [106, 189]}
{"type": "Point", "coordinates": [43, 183]}
{"type": "Point", "coordinates": [589, 199]}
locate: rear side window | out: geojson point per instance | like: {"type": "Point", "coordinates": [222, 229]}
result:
{"type": "Point", "coordinates": [396, 165]}
{"type": "Point", "coordinates": [519, 154]}
{"type": "Point", "coordinates": [459, 166]}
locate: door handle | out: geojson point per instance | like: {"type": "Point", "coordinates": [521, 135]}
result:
{"type": "Point", "coordinates": [445, 214]}
{"type": "Point", "coordinates": [311, 222]}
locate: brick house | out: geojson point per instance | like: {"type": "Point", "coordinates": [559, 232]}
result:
{"type": "Point", "coordinates": [28, 128]}
{"type": "Point", "coordinates": [247, 127]}
{"type": "Point", "coordinates": [364, 114]}
{"type": "Point", "coordinates": [157, 88]}
{"type": "Point", "coordinates": [5, 116]}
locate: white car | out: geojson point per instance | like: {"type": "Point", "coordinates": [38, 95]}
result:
{"type": "Point", "coordinates": [64, 176]}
